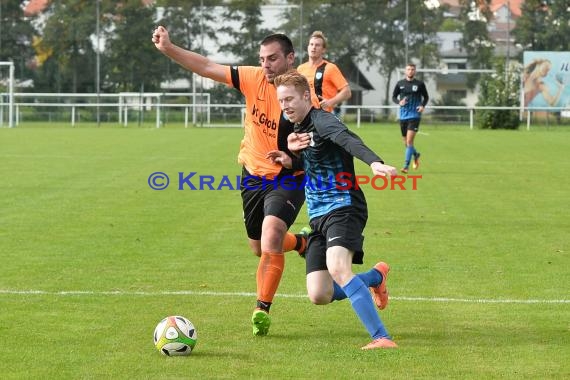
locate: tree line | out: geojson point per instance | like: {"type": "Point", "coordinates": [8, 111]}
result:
{"type": "Point", "coordinates": [57, 50]}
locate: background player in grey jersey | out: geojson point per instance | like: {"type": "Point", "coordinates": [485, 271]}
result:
{"type": "Point", "coordinates": [412, 96]}
{"type": "Point", "coordinates": [337, 211]}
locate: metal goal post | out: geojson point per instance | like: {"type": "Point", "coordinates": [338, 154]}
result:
{"type": "Point", "coordinates": [10, 94]}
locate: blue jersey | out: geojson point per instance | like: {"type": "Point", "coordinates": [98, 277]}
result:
{"type": "Point", "coordinates": [329, 165]}
{"type": "Point", "coordinates": [416, 95]}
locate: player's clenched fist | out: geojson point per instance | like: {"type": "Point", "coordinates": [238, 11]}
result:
{"type": "Point", "coordinates": [160, 38]}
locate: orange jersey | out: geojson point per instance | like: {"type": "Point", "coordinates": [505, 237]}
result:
{"type": "Point", "coordinates": [265, 128]}
{"type": "Point", "coordinates": [333, 80]}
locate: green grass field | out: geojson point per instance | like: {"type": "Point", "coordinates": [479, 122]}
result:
{"type": "Point", "coordinates": [92, 259]}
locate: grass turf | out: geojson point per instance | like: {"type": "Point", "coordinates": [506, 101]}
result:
{"type": "Point", "coordinates": [479, 256]}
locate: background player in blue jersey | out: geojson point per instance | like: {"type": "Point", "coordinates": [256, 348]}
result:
{"type": "Point", "coordinates": [412, 96]}
{"type": "Point", "coordinates": [337, 209]}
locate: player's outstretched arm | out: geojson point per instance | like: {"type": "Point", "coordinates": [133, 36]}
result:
{"type": "Point", "coordinates": [384, 170]}
{"type": "Point", "coordinates": [191, 61]}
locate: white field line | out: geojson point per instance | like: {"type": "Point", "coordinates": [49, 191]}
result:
{"type": "Point", "coordinates": [246, 294]}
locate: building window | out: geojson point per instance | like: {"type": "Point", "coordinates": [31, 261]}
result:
{"type": "Point", "coordinates": [457, 94]}
{"type": "Point", "coordinates": [456, 66]}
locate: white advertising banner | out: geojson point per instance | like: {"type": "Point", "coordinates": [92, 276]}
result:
{"type": "Point", "coordinates": [546, 81]}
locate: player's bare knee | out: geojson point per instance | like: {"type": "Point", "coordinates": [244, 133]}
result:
{"type": "Point", "coordinates": [318, 298]}
{"type": "Point", "coordinates": [340, 276]}
{"type": "Point", "coordinates": [272, 234]}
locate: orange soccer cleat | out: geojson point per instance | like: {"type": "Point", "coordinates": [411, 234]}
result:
{"type": "Point", "coordinates": [380, 343]}
{"type": "Point", "coordinates": [380, 293]}
{"type": "Point", "coordinates": [416, 163]}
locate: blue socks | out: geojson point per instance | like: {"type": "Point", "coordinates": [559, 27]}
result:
{"type": "Point", "coordinates": [370, 279]}
{"type": "Point", "coordinates": [338, 293]}
{"type": "Point", "coordinates": [364, 307]}
{"type": "Point", "coordinates": [410, 151]}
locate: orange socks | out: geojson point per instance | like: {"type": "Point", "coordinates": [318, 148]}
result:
{"type": "Point", "coordinates": [289, 242]}
{"type": "Point", "coordinates": [269, 272]}
{"type": "Point", "coordinates": [294, 242]}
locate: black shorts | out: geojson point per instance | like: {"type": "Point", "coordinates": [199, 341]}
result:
{"type": "Point", "coordinates": [282, 197]}
{"type": "Point", "coordinates": [409, 125]}
{"type": "Point", "coordinates": [343, 227]}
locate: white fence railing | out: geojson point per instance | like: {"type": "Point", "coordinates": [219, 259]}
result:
{"type": "Point", "coordinates": [127, 108]}
{"type": "Point", "coordinates": [121, 103]}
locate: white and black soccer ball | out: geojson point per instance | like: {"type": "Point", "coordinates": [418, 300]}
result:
{"type": "Point", "coordinates": [175, 336]}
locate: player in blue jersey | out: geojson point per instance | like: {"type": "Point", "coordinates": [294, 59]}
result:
{"type": "Point", "coordinates": [412, 96]}
{"type": "Point", "coordinates": [337, 208]}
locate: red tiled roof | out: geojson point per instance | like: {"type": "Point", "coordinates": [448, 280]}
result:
{"type": "Point", "coordinates": [495, 5]}
{"type": "Point", "coordinates": [35, 6]}
{"type": "Point", "coordinates": [515, 6]}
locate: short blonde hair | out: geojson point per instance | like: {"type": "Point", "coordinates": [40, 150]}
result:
{"type": "Point", "coordinates": [293, 78]}
{"type": "Point", "coordinates": [319, 34]}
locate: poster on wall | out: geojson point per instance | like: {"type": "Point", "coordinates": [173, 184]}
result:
{"type": "Point", "coordinates": [546, 81]}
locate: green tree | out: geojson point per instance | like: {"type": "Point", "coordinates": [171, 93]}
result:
{"type": "Point", "coordinates": [372, 30]}
{"type": "Point", "coordinates": [476, 40]}
{"type": "Point", "coordinates": [387, 46]}
{"type": "Point", "coordinates": [387, 31]}
{"type": "Point", "coordinates": [133, 62]}
{"type": "Point", "coordinates": [67, 34]}
{"type": "Point", "coordinates": [544, 25]}
{"type": "Point", "coordinates": [189, 24]}
{"type": "Point", "coordinates": [129, 61]}
{"type": "Point", "coordinates": [326, 17]}
{"type": "Point", "coordinates": [245, 38]}
{"type": "Point", "coordinates": [451, 25]}
{"type": "Point", "coordinates": [424, 23]}
{"type": "Point", "coordinates": [16, 34]}
{"type": "Point", "coordinates": [500, 88]}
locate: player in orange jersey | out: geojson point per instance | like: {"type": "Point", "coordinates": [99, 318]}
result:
{"type": "Point", "coordinates": [270, 210]}
{"type": "Point", "coordinates": [328, 86]}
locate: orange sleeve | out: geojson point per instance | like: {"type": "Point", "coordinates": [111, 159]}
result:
{"type": "Point", "coordinates": [263, 123]}
{"type": "Point", "coordinates": [334, 81]}
{"type": "Point", "coordinates": [309, 72]}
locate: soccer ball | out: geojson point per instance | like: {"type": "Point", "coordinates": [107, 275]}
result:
{"type": "Point", "coordinates": [175, 336]}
